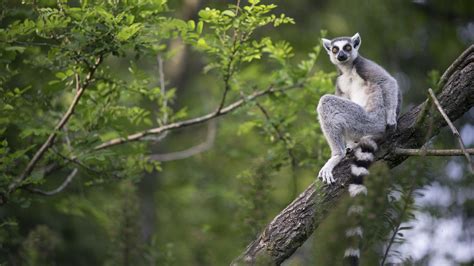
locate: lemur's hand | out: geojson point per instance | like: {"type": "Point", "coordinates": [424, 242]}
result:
{"type": "Point", "coordinates": [325, 174]}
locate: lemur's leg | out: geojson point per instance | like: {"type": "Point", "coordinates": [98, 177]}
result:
{"type": "Point", "coordinates": [392, 99]}
{"type": "Point", "coordinates": [339, 117]}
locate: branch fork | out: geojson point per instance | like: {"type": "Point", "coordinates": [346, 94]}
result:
{"type": "Point", "coordinates": [80, 88]}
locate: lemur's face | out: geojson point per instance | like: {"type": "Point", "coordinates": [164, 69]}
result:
{"type": "Point", "coordinates": [342, 50]}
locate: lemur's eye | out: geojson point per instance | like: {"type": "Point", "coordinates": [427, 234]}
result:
{"type": "Point", "coordinates": [335, 50]}
{"type": "Point", "coordinates": [347, 47]}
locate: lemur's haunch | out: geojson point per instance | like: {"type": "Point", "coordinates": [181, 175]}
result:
{"type": "Point", "coordinates": [366, 104]}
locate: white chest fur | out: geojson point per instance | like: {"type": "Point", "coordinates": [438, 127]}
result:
{"type": "Point", "coordinates": [354, 87]}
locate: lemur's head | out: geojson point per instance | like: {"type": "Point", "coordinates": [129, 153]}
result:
{"type": "Point", "coordinates": [342, 50]}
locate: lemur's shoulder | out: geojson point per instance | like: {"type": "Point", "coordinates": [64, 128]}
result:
{"type": "Point", "coordinates": [368, 70]}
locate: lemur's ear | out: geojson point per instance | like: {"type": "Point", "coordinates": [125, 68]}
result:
{"type": "Point", "coordinates": [356, 41]}
{"type": "Point", "coordinates": [326, 44]}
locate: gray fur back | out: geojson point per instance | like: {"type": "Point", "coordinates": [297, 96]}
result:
{"type": "Point", "coordinates": [372, 72]}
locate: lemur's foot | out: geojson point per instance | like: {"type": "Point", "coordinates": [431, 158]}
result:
{"type": "Point", "coordinates": [325, 174]}
{"type": "Point", "coordinates": [390, 129]}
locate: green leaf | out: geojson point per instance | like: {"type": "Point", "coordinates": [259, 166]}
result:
{"type": "Point", "coordinates": [8, 107]}
{"type": "Point", "coordinates": [229, 13]}
{"type": "Point", "coordinates": [201, 43]}
{"type": "Point", "coordinates": [19, 49]}
{"type": "Point", "coordinates": [109, 18]}
{"type": "Point", "coordinates": [128, 31]}
{"type": "Point", "coordinates": [199, 27]}
{"type": "Point", "coordinates": [246, 127]}
{"type": "Point", "coordinates": [191, 24]}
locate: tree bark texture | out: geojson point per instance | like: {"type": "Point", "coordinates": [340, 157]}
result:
{"type": "Point", "coordinates": [292, 226]}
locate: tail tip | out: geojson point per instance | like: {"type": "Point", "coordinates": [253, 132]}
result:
{"type": "Point", "coordinates": [352, 252]}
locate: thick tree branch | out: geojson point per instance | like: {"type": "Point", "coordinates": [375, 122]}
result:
{"type": "Point", "coordinates": [292, 226]}
{"type": "Point", "coordinates": [456, 64]}
{"type": "Point", "coordinates": [80, 88]}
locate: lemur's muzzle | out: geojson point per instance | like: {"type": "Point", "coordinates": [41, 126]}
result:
{"type": "Point", "coordinates": [342, 56]}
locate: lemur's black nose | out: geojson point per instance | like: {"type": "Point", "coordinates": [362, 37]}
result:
{"type": "Point", "coordinates": [341, 57]}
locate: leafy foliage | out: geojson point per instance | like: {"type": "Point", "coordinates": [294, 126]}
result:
{"type": "Point", "coordinates": [79, 47]}
{"type": "Point", "coordinates": [125, 247]}
{"type": "Point", "coordinates": [254, 201]}
{"type": "Point", "coordinates": [39, 246]}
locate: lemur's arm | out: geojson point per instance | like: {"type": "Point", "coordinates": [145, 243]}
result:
{"type": "Point", "coordinates": [390, 97]}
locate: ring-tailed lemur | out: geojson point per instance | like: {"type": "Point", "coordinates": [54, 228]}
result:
{"type": "Point", "coordinates": [366, 104]}
{"type": "Point", "coordinates": [367, 101]}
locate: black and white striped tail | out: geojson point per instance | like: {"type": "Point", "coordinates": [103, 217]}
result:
{"type": "Point", "coordinates": [364, 155]}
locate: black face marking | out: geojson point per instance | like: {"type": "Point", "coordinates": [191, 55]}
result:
{"type": "Point", "coordinates": [342, 56]}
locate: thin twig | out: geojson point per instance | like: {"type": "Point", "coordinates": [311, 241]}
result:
{"type": "Point", "coordinates": [224, 95]}
{"type": "Point", "coordinates": [399, 222]}
{"type": "Point", "coordinates": [77, 162]}
{"type": "Point", "coordinates": [164, 120]}
{"type": "Point", "coordinates": [453, 128]}
{"type": "Point", "coordinates": [28, 44]}
{"type": "Point", "coordinates": [229, 70]}
{"type": "Point", "coordinates": [227, 77]}
{"type": "Point", "coordinates": [432, 152]}
{"type": "Point", "coordinates": [285, 141]}
{"type": "Point", "coordinates": [197, 120]}
{"type": "Point", "coordinates": [163, 88]}
{"type": "Point", "coordinates": [196, 149]}
{"type": "Point", "coordinates": [237, 7]}
{"type": "Point", "coordinates": [57, 190]}
{"type": "Point", "coordinates": [80, 88]}
{"type": "Point", "coordinates": [202, 147]}
{"type": "Point", "coordinates": [67, 139]}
